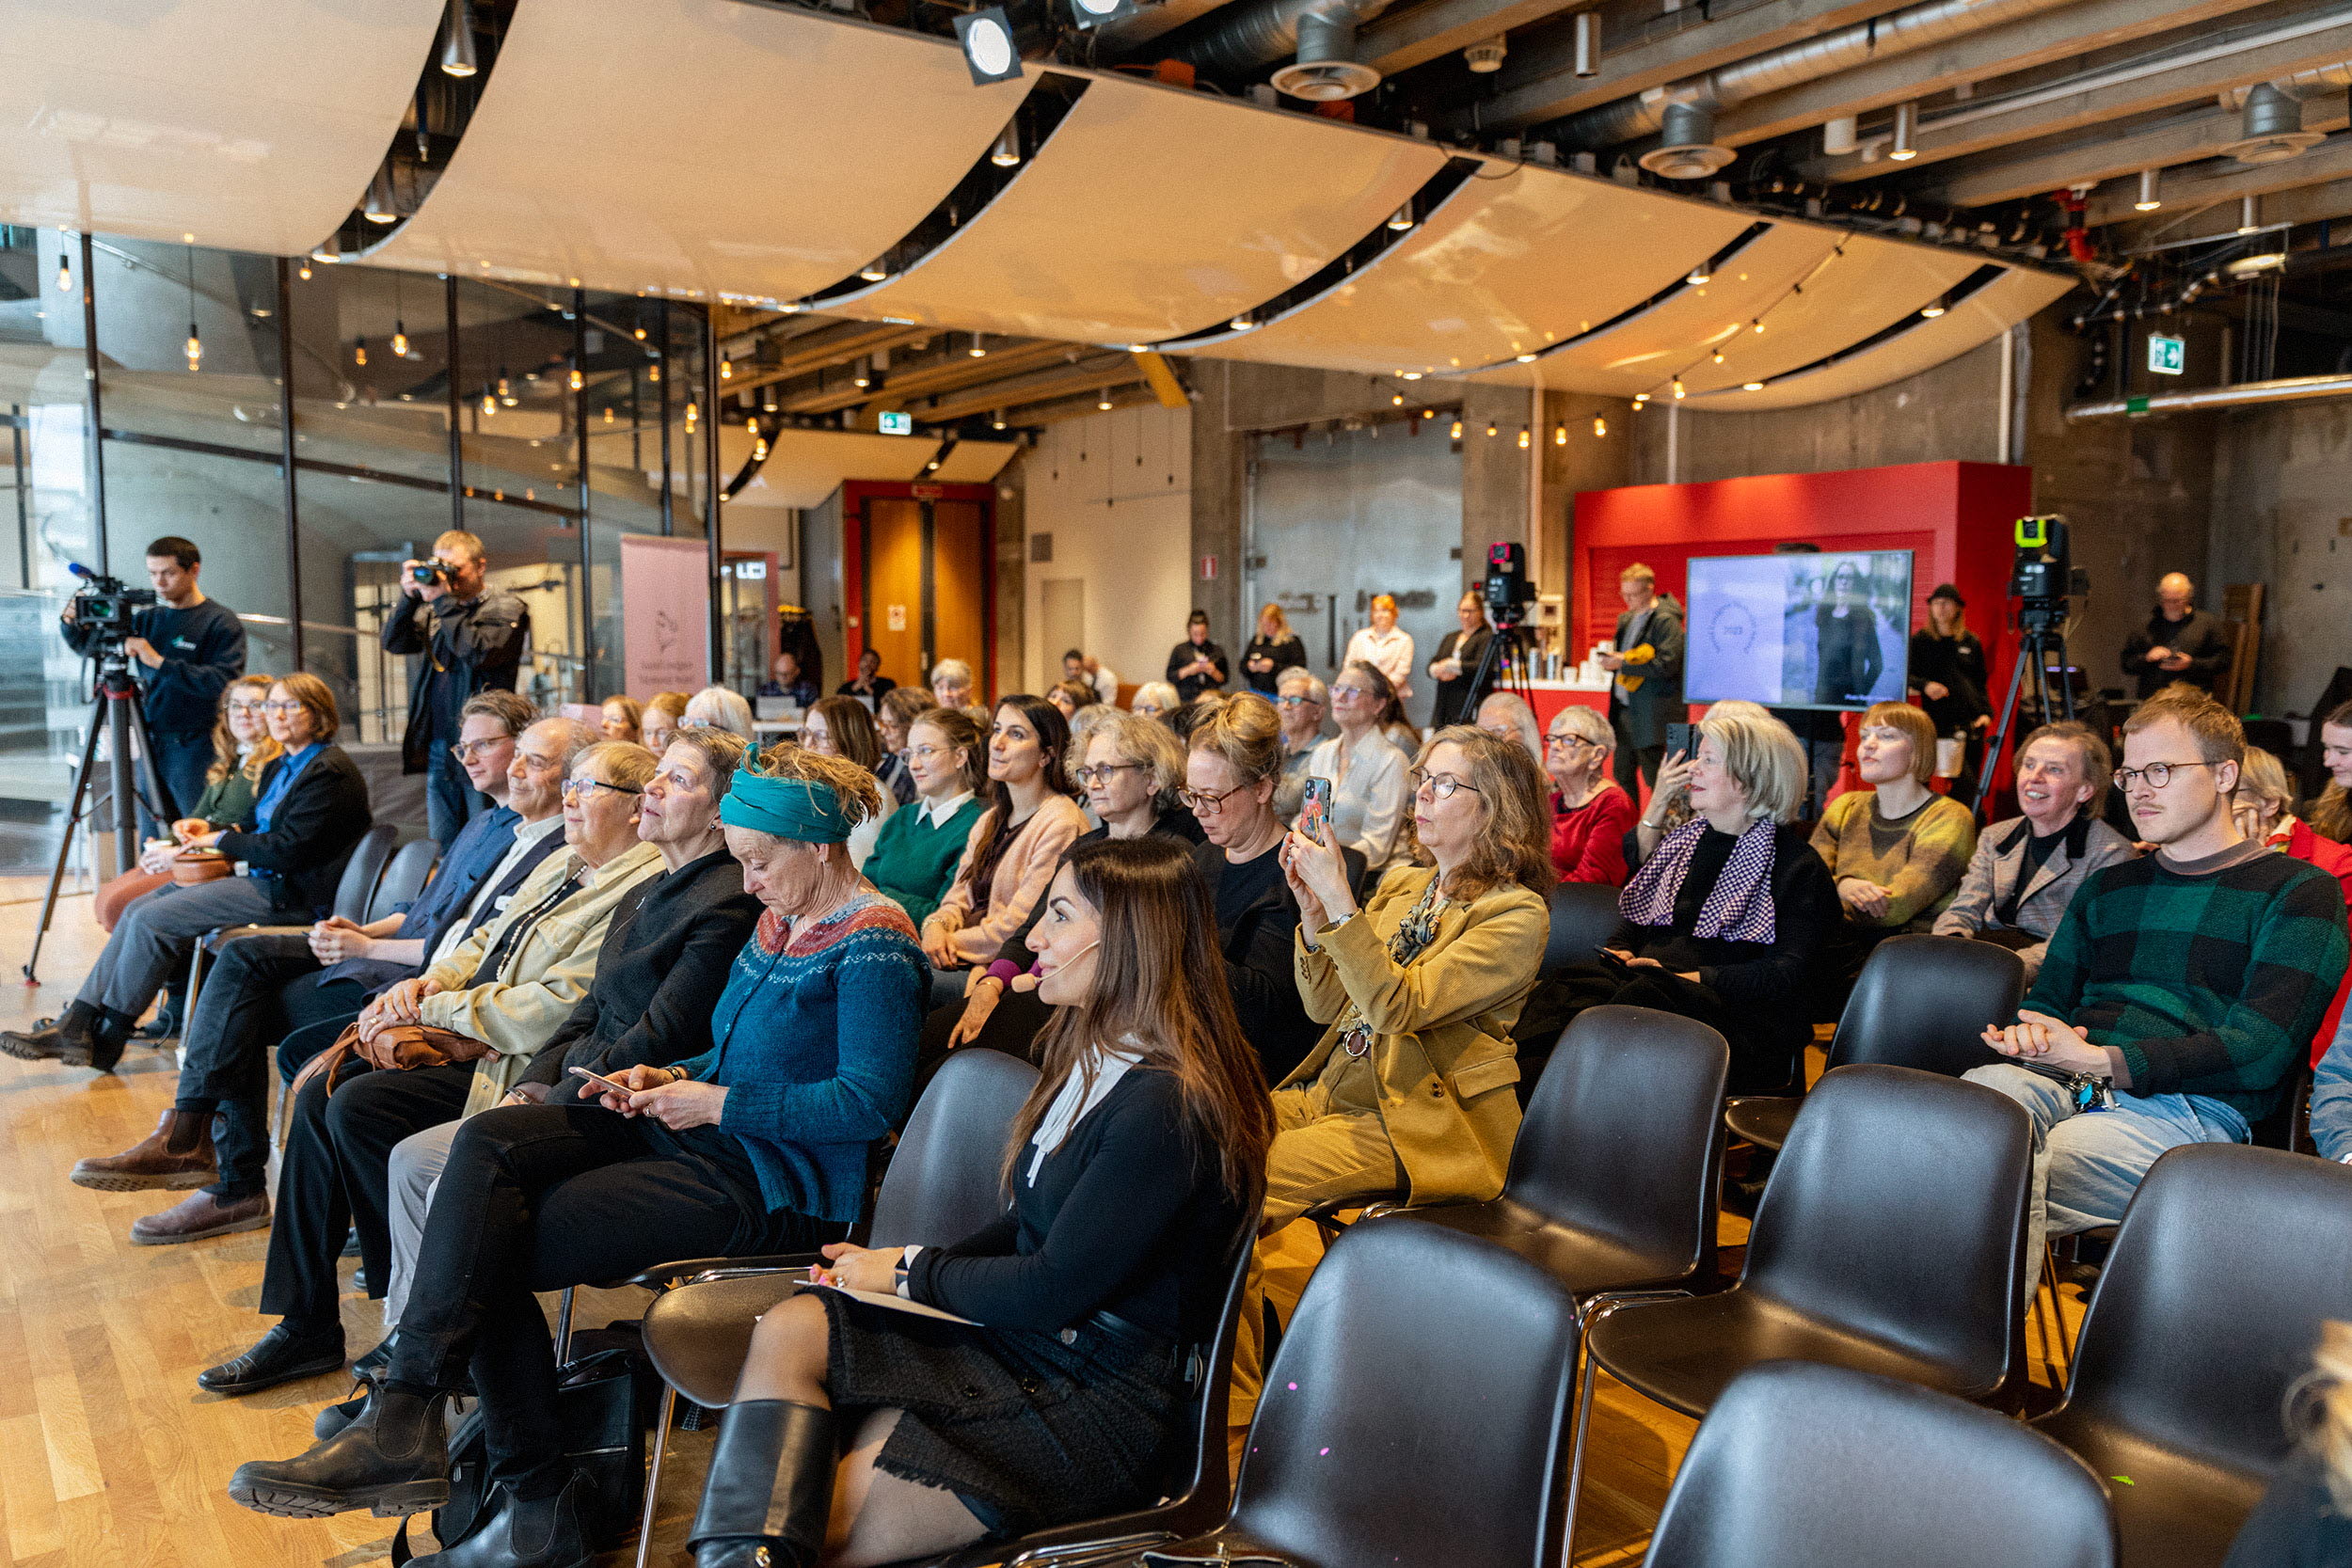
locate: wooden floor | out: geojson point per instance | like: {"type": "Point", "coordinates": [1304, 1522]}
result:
{"type": "Point", "coordinates": [111, 1454]}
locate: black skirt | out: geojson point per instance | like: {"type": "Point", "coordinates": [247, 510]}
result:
{"type": "Point", "coordinates": [1026, 1428]}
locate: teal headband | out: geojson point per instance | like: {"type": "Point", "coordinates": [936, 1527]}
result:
{"type": "Point", "coordinates": [804, 810]}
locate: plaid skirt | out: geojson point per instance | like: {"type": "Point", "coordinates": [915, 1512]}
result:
{"type": "Point", "coordinates": [1027, 1428]}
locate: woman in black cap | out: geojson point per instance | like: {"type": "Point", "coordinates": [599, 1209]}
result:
{"type": "Point", "coordinates": [1947, 676]}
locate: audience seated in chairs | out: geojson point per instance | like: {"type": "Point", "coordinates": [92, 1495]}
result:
{"type": "Point", "coordinates": [1370, 799]}
{"type": "Point", "coordinates": [1154, 700]}
{"type": "Point", "coordinates": [302, 988]}
{"type": "Point", "coordinates": [665, 958]}
{"type": "Point", "coordinates": [1591, 813]}
{"type": "Point", "coordinates": [624, 720]}
{"type": "Point", "coordinates": [1300, 702]}
{"type": "Point", "coordinates": [1895, 850]}
{"type": "Point", "coordinates": [2263, 808]}
{"type": "Point", "coordinates": [1133, 1162]}
{"type": "Point", "coordinates": [2180, 988]}
{"type": "Point", "coordinates": [1131, 772]}
{"type": "Point", "coordinates": [1410, 1087]}
{"type": "Point", "coordinates": [1726, 916]}
{"type": "Point", "coordinates": [311, 808]}
{"type": "Point", "coordinates": [2330, 814]}
{"type": "Point", "coordinates": [916, 852]}
{"type": "Point", "coordinates": [759, 1144]}
{"type": "Point", "coordinates": [664, 711]}
{"type": "Point", "coordinates": [1506, 715]}
{"type": "Point", "coordinates": [841, 727]}
{"type": "Point", "coordinates": [2026, 872]}
{"type": "Point", "coordinates": [1030, 822]}
{"type": "Point", "coordinates": [894, 717]}
{"type": "Point", "coordinates": [446, 1044]}
{"type": "Point", "coordinates": [2305, 1519]}
{"type": "Point", "coordinates": [241, 748]}
{"type": "Point", "coordinates": [715, 707]}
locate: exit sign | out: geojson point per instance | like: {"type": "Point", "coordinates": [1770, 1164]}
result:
{"type": "Point", "coordinates": [895, 424]}
{"type": "Point", "coordinates": [2167, 356]}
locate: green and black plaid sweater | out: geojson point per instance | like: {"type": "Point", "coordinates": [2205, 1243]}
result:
{"type": "Point", "coordinates": [2209, 985]}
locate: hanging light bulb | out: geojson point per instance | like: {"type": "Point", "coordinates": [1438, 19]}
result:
{"type": "Point", "coordinates": [978, 349]}
{"type": "Point", "coordinates": [303, 271]}
{"type": "Point", "coordinates": [1402, 218]}
{"type": "Point", "coordinates": [577, 380]}
{"type": "Point", "coordinates": [358, 351]}
{"type": "Point", "coordinates": [693, 412]}
{"type": "Point", "coordinates": [1677, 389]}
{"type": "Point", "coordinates": [506, 393]}
{"type": "Point", "coordinates": [1759, 323]}
{"type": "Point", "coordinates": [1007, 151]}
{"type": "Point", "coordinates": [1600, 426]}
{"type": "Point", "coordinates": [457, 56]}
{"type": "Point", "coordinates": [726, 367]}
{"type": "Point", "coordinates": [195, 347]}
{"type": "Point", "coordinates": [489, 402]}
{"type": "Point", "coordinates": [759, 450]}
{"type": "Point", "coordinates": [1396, 400]}
{"type": "Point", "coordinates": [641, 333]}
{"type": "Point", "coordinates": [750, 428]}
{"type": "Point", "coordinates": [1490, 428]}
{"type": "Point", "coordinates": [400, 339]}
{"type": "Point", "coordinates": [653, 373]}
{"type": "Point", "coordinates": [1559, 436]}
{"type": "Point", "coordinates": [1455, 432]}
{"type": "Point", "coordinates": [607, 413]}
{"type": "Point", "coordinates": [64, 275]}
{"type": "Point", "coordinates": [1523, 438]}
{"type": "Point", "coordinates": [1719, 356]}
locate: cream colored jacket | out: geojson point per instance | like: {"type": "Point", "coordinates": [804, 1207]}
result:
{"type": "Point", "coordinates": [548, 972]}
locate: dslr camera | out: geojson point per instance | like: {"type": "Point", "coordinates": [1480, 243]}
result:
{"type": "Point", "coordinates": [425, 574]}
{"type": "Point", "coordinates": [107, 606]}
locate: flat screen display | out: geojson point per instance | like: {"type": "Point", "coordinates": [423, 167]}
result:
{"type": "Point", "coordinates": [1831, 630]}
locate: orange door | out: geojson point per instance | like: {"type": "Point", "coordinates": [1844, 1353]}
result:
{"type": "Point", "coordinates": [959, 596]}
{"type": "Point", "coordinates": [893, 610]}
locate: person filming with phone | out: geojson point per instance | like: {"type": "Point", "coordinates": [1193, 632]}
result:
{"type": "Point", "coordinates": [467, 638]}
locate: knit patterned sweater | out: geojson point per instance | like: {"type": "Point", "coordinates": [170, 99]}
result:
{"type": "Point", "coordinates": [1918, 859]}
{"type": "Point", "coordinates": [815, 1035]}
{"type": "Point", "coordinates": [2207, 984]}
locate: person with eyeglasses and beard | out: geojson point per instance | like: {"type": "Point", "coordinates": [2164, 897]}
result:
{"type": "Point", "coordinates": [2180, 990]}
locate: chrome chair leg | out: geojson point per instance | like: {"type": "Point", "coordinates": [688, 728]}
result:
{"type": "Point", "coordinates": [563, 1329]}
{"type": "Point", "coordinates": [653, 1475]}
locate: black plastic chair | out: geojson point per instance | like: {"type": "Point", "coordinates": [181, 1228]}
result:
{"type": "Point", "coordinates": [1890, 1238]}
{"type": "Point", "coordinates": [2206, 1315]}
{"type": "Point", "coordinates": [1415, 1412]}
{"type": "Point", "coordinates": [1612, 1178]}
{"type": "Point", "coordinates": [1803, 1466]}
{"type": "Point", "coordinates": [1584, 915]}
{"type": "Point", "coordinates": [354, 891]}
{"type": "Point", "coordinates": [942, 1183]}
{"type": "Point", "coordinates": [1921, 1002]}
{"type": "Point", "coordinates": [404, 876]}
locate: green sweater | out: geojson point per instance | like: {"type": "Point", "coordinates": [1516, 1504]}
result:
{"type": "Point", "coordinates": [1918, 859]}
{"type": "Point", "coordinates": [227, 802]}
{"type": "Point", "coordinates": [914, 862]}
{"type": "Point", "coordinates": [2209, 982]}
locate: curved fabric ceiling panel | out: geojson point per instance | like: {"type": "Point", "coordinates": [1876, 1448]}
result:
{"type": "Point", "coordinates": [1151, 213]}
{"type": "Point", "coordinates": [1984, 315]}
{"type": "Point", "coordinates": [700, 147]}
{"type": "Point", "coordinates": [1872, 285]}
{"type": "Point", "coordinates": [251, 124]}
{"type": "Point", "coordinates": [1509, 263]}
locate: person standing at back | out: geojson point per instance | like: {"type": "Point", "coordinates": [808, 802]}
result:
{"type": "Point", "coordinates": [1196, 664]}
{"type": "Point", "coordinates": [2179, 643]}
{"type": "Point", "coordinates": [1456, 668]}
{"type": "Point", "coordinates": [1646, 693]}
{"type": "Point", "coordinates": [1275, 649]}
{"type": "Point", "coordinates": [1385, 645]}
{"type": "Point", "coordinates": [467, 638]}
{"type": "Point", "coordinates": [185, 649]}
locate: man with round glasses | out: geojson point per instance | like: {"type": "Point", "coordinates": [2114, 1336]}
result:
{"type": "Point", "coordinates": [2180, 991]}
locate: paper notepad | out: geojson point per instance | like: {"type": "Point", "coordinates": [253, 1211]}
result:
{"type": "Point", "coordinates": [895, 1303]}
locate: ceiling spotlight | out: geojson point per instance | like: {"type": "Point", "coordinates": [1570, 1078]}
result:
{"type": "Point", "coordinates": [1752, 385]}
{"type": "Point", "coordinates": [2250, 215]}
{"type": "Point", "coordinates": [987, 48]}
{"type": "Point", "coordinates": [1408, 376]}
{"type": "Point", "coordinates": [978, 349]}
{"type": "Point", "coordinates": [1906, 133]}
{"type": "Point", "coordinates": [1103, 400]}
{"type": "Point", "coordinates": [1700, 275]}
{"type": "Point", "coordinates": [1402, 218]}
{"type": "Point", "coordinates": [2148, 199]}
{"type": "Point", "coordinates": [324, 255]}
{"type": "Point", "coordinates": [457, 56]}
{"type": "Point", "coordinates": [379, 206]}
{"type": "Point", "coordinates": [2273, 126]}
{"type": "Point", "coordinates": [767, 398]}
{"type": "Point", "coordinates": [1587, 49]}
{"type": "Point", "coordinates": [864, 378]}
{"type": "Point", "coordinates": [1932, 310]}
{"type": "Point", "coordinates": [1007, 152]}
{"type": "Point", "coordinates": [874, 271]}
{"type": "Point", "coordinates": [1688, 148]}
{"type": "Point", "coordinates": [1526, 359]}
{"type": "Point", "coordinates": [1093, 13]}
{"type": "Point", "coordinates": [1640, 398]}
{"type": "Point", "coordinates": [996, 420]}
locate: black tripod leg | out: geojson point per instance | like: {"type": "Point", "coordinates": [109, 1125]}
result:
{"type": "Point", "coordinates": [159, 797]}
{"type": "Point", "coordinates": [2001, 727]}
{"type": "Point", "coordinates": [65, 848]}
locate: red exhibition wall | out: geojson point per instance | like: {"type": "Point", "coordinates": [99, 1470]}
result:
{"type": "Point", "coordinates": [1955, 518]}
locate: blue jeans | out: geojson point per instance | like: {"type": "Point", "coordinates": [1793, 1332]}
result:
{"type": "Point", "coordinates": [2087, 1164]}
{"type": "Point", "coordinates": [451, 800]}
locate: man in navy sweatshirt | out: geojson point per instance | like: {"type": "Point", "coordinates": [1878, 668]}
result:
{"type": "Point", "coordinates": [185, 649]}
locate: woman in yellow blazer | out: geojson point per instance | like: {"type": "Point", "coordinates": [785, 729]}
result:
{"type": "Point", "coordinates": [1409, 1088]}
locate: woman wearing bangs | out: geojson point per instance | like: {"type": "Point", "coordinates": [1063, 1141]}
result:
{"type": "Point", "coordinates": [1130, 1170]}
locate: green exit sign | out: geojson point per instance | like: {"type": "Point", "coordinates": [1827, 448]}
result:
{"type": "Point", "coordinates": [891, 423]}
{"type": "Point", "coordinates": [2167, 356]}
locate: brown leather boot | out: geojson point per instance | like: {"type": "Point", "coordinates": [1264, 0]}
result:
{"type": "Point", "coordinates": [176, 1156]}
{"type": "Point", "coordinates": [198, 1215]}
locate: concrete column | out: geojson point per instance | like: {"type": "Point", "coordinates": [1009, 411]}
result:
{"type": "Point", "coordinates": [1219, 479]}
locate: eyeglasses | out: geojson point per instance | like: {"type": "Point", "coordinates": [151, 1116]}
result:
{"type": "Point", "coordinates": [282, 708]}
{"type": "Point", "coordinates": [466, 750]}
{"type": "Point", "coordinates": [1569, 740]}
{"type": "Point", "coordinates": [1198, 801]}
{"type": "Point", "coordinates": [927, 753]}
{"type": "Point", "coordinates": [1295, 702]}
{"type": "Point", "coordinates": [576, 788]}
{"type": "Point", "coordinates": [1101, 772]}
{"type": "Point", "coordinates": [248, 708]}
{"type": "Point", "coordinates": [1439, 785]}
{"type": "Point", "coordinates": [1361, 693]}
{"type": "Point", "coordinates": [2158, 774]}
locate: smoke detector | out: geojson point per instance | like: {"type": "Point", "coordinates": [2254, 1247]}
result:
{"type": "Point", "coordinates": [1485, 55]}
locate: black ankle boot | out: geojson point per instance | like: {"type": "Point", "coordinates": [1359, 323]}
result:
{"type": "Point", "coordinates": [543, 1532]}
{"type": "Point", "coordinates": [109, 1032]}
{"type": "Point", "coordinates": [769, 1489]}
{"type": "Point", "coordinates": [54, 1041]}
{"type": "Point", "coordinates": [394, 1459]}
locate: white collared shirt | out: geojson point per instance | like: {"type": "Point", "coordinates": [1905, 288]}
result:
{"type": "Point", "coordinates": [935, 813]}
{"type": "Point", "coordinates": [1077, 1097]}
{"type": "Point", "coordinates": [526, 835]}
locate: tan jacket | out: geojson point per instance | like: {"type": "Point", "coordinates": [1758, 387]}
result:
{"type": "Point", "coordinates": [548, 972]}
{"type": "Point", "coordinates": [1441, 1044]}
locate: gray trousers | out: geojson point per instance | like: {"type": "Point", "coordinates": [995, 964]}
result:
{"type": "Point", "coordinates": [158, 929]}
{"type": "Point", "coordinates": [416, 1170]}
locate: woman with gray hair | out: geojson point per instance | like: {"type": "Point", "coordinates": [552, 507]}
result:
{"type": "Point", "coordinates": [715, 707]}
{"type": "Point", "coordinates": [1506, 716]}
{"type": "Point", "coordinates": [1300, 703]}
{"type": "Point", "coordinates": [1591, 813]}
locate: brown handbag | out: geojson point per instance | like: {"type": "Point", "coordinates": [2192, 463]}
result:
{"type": "Point", "coordinates": [398, 1048]}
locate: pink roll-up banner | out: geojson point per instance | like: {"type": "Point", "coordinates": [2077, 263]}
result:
{"type": "Point", "coordinates": [665, 613]}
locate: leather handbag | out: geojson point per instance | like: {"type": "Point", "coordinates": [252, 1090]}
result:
{"type": "Point", "coordinates": [191, 866]}
{"type": "Point", "coordinates": [397, 1048]}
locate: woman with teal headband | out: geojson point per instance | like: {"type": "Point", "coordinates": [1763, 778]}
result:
{"type": "Point", "coordinates": [758, 1145]}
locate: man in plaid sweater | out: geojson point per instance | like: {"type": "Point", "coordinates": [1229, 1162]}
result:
{"type": "Point", "coordinates": [2181, 989]}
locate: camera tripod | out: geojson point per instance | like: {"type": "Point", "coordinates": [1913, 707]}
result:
{"type": "Point", "coordinates": [1509, 636]}
{"type": "Point", "coordinates": [2040, 636]}
{"type": "Point", "coordinates": [114, 705]}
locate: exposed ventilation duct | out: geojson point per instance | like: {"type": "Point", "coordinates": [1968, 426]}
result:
{"type": "Point", "coordinates": [1900, 33]}
{"type": "Point", "coordinates": [1318, 35]}
{"type": "Point", "coordinates": [1687, 150]}
{"type": "Point", "coordinates": [2301, 389]}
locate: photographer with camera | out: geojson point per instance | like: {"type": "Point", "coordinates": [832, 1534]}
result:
{"type": "Point", "coordinates": [472, 637]}
{"type": "Point", "coordinates": [187, 649]}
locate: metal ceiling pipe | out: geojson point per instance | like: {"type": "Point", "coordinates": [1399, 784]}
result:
{"type": "Point", "coordinates": [1319, 35]}
{"type": "Point", "coordinates": [1898, 33]}
{"type": "Point", "coordinates": [2299, 388]}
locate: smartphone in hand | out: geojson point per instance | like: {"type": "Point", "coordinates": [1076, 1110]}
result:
{"type": "Point", "coordinates": [601, 1082]}
{"type": "Point", "coordinates": [1315, 808]}
{"type": "Point", "coordinates": [1678, 739]}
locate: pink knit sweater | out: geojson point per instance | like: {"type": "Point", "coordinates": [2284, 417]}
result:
{"type": "Point", "coordinates": [1023, 874]}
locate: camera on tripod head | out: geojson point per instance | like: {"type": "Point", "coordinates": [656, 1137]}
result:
{"type": "Point", "coordinates": [108, 606]}
{"type": "Point", "coordinates": [2044, 575]}
{"type": "Point", "coordinates": [1507, 590]}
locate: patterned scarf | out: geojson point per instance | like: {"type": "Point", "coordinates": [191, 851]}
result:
{"type": "Point", "coordinates": [1740, 905]}
{"type": "Point", "coordinates": [1412, 938]}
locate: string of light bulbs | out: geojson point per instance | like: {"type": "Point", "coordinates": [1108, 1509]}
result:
{"type": "Point", "coordinates": [1674, 384]}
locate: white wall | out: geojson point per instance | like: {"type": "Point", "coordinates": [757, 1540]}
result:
{"type": "Point", "coordinates": [1115, 491]}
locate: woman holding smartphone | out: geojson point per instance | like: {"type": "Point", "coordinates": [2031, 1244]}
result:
{"type": "Point", "coordinates": [1134, 1162]}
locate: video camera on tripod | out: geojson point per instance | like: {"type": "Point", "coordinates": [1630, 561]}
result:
{"type": "Point", "coordinates": [1506, 589]}
{"type": "Point", "coordinates": [107, 607]}
{"type": "Point", "coordinates": [2042, 579]}
{"type": "Point", "coordinates": [2044, 575]}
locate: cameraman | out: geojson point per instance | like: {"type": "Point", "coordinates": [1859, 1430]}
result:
{"type": "Point", "coordinates": [190, 647]}
{"type": "Point", "coordinates": [473, 638]}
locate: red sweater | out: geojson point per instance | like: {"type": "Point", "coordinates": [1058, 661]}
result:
{"type": "Point", "coordinates": [2336, 859]}
{"type": "Point", "coordinates": [1588, 844]}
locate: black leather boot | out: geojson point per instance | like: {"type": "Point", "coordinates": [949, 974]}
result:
{"type": "Point", "coordinates": [49, 1042]}
{"type": "Point", "coordinates": [394, 1459]}
{"type": "Point", "coordinates": [286, 1352]}
{"type": "Point", "coordinates": [545, 1532]}
{"type": "Point", "coordinates": [109, 1032]}
{"type": "Point", "coordinates": [769, 1489]}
